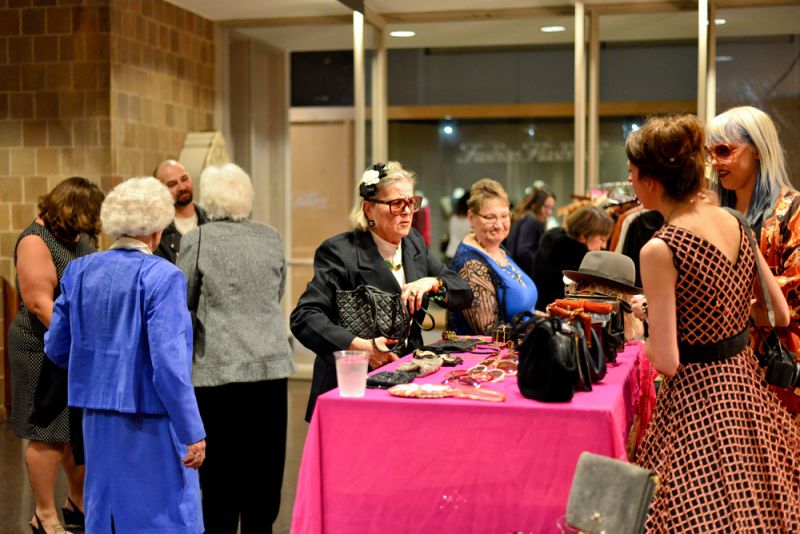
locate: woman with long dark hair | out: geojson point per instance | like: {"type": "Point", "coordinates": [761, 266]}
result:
{"type": "Point", "coordinates": [528, 225]}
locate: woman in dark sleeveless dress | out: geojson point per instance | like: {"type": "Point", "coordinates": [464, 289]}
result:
{"type": "Point", "coordinates": [67, 225]}
{"type": "Point", "coordinates": [724, 447]}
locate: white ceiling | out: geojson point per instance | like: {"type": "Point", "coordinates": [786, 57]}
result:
{"type": "Point", "coordinates": [521, 31]}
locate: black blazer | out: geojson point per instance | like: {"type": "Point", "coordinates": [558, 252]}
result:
{"type": "Point", "coordinates": [344, 262]}
{"type": "Point", "coordinates": [170, 243]}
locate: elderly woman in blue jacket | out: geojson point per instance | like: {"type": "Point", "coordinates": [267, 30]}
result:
{"type": "Point", "coordinates": [122, 328]}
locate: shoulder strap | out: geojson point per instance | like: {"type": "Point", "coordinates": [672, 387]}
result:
{"type": "Point", "coordinates": [198, 280]}
{"type": "Point", "coordinates": [761, 277]}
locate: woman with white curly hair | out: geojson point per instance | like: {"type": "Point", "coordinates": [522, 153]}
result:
{"type": "Point", "coordinates": [236, 272]}
{"type": "Point", "coordinates": [122, 327]}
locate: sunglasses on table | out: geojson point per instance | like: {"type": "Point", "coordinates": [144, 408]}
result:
{"type": "Point", "coordinates": [473, 377]}
{"type": "Point", "coordinates": [398, 205]}
{"type": "Point", "coordinates": [722, 151]}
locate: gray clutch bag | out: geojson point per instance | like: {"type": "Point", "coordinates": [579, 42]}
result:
{"type": "Point", "coordinates": [609, 496]}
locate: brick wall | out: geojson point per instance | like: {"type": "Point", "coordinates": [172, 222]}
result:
{"type": "Point", "coordinates": [162, 82]}
{"type": "Point", "coordinates": [98, 88]}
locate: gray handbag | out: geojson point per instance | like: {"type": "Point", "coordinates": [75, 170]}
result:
{"type": "Point", "coordinates": [609, 496]}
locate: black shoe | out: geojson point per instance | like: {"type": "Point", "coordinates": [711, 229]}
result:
{"type": "Point", "coordinates": [73, 519]}
{"type": "Point", "coordinates": [38, 528]}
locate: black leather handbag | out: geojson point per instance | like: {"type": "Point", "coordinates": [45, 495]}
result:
{"type": "Point", "coordinates": [369, 312]}
{"type": "Point", "coordinates": [555, 359]}
{"type": "Point", "coordinates": [548, 369]}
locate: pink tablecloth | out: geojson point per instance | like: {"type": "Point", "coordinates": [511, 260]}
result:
{"type": "Point", "coordinates": [384, 464]}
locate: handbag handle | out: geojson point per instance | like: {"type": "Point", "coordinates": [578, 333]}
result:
{"type": "Point", "coordinates": [197, 281]}
{"type": "Point", "coordinates": [571, 315]}
{"type": "Point", "coordinates": [586, 305]}
{"type": "Point", "coordinates": [593, 294]}
{"type": "Point", "coordinates": [761, 277]}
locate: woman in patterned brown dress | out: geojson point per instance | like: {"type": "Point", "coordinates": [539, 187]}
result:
{"type": "Point", "coordinates": [748, 161]}
{"type": "Point", "coordinates": [724, 447]}
{"type": "Point", "coordinates": [68, 223]}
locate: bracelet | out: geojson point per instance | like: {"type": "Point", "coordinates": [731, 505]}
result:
{"type": "Point", "coordinates": [439, 296]}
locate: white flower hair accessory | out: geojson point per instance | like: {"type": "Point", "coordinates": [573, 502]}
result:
{"type": "Point", "coordinates": [368, 187]}
{"type": "Point", "coordinates": [371, 177]}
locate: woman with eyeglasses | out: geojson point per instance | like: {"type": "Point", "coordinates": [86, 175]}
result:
{"type": "Point", "coordinates": [382, 251]}
{"type": "Point", "coordinates": [748, 161]}
{"type": "Point", "coordinates": [500, 288]}
{"type": "Point", "coordinates": [562, 249]}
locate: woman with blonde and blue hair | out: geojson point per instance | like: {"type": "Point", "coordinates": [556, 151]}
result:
{"type": "Point", "coordinates": [122, 328]}
{"type": "Point", "coordinates": [748, 162]}
{"type": "Point", "coordinates": [236, 273]}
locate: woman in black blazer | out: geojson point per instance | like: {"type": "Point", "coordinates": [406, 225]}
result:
{"type": "Point", "coordinates": [382, 251]}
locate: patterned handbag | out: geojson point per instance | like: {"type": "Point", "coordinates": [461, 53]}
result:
{"type": "Point", "coordinates": [369, 312]}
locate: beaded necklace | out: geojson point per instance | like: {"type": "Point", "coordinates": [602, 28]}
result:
{"type": "Point", "coordinates": [508, 267]}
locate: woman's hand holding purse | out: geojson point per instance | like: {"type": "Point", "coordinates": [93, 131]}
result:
{"type": "Point", "coordinates": [379, 351]}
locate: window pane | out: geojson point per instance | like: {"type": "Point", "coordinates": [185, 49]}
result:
{"type": "Point", "coordinates": [746, 77]}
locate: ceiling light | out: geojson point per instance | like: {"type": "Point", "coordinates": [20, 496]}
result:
{"type": "Point", "coordinates": [720, 22]}
{"type": "Point", "coordinates": [402, 33]}
{"type": "Point", "coordinates": [552, 29]}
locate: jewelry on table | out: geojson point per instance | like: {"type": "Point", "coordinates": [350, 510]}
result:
{"type": "Point", "coordinates": [434, 391]}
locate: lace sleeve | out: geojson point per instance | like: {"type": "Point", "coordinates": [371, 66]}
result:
{"type": "Point", "coordinates": [482, 315]}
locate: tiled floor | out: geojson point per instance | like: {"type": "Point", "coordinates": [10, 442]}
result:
{"type": "Point", "coordinates": [16, 499]}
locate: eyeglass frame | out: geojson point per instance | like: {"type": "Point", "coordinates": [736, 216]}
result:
{"type": "Point", "coordinates": [493, 219]}
{"type": "Point", "coordinates": [412, 203]}
{"type": "Point", "coordinates": [711, 152]}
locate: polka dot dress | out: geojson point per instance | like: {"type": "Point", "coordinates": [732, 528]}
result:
{"type": "Point", "coordinates": [725, 449]}
{"type": "Point", "coordinates": [26, 346]}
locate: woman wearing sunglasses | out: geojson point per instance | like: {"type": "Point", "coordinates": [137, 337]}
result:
{"type": "Point", "coordinates": [501, 288]}
{"type": "Point", "coordinates": [748, 161]}
{"type": "Point", "coordinates": [381, 251]}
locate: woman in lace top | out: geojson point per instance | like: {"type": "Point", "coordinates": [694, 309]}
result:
{"type": "Point", "coordinates": [500, 288]}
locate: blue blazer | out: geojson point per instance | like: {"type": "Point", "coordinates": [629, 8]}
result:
{"type": "Point", "coordinates": [122, 328]}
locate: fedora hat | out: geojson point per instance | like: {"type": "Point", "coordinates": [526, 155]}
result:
{"type": "Point", "coordinates": [604, 267]}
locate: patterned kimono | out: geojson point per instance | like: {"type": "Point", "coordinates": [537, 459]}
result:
{"type": "Point", "coordinates": [780, 245]}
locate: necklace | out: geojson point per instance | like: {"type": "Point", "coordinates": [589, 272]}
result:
{"type": "Point", "coordinates": [672, 212]}
{"type": "Point", "coordinates": [504, 264]}
{"type": "Point", "coordinates": [392, 265]}
{"type": "Point", "coordinates": [514, 273]}
{"type": "Point", "coordinates": [499, 253]}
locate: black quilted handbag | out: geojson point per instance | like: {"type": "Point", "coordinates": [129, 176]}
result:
{"type": "Point", "coordinates": [369, 312]}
